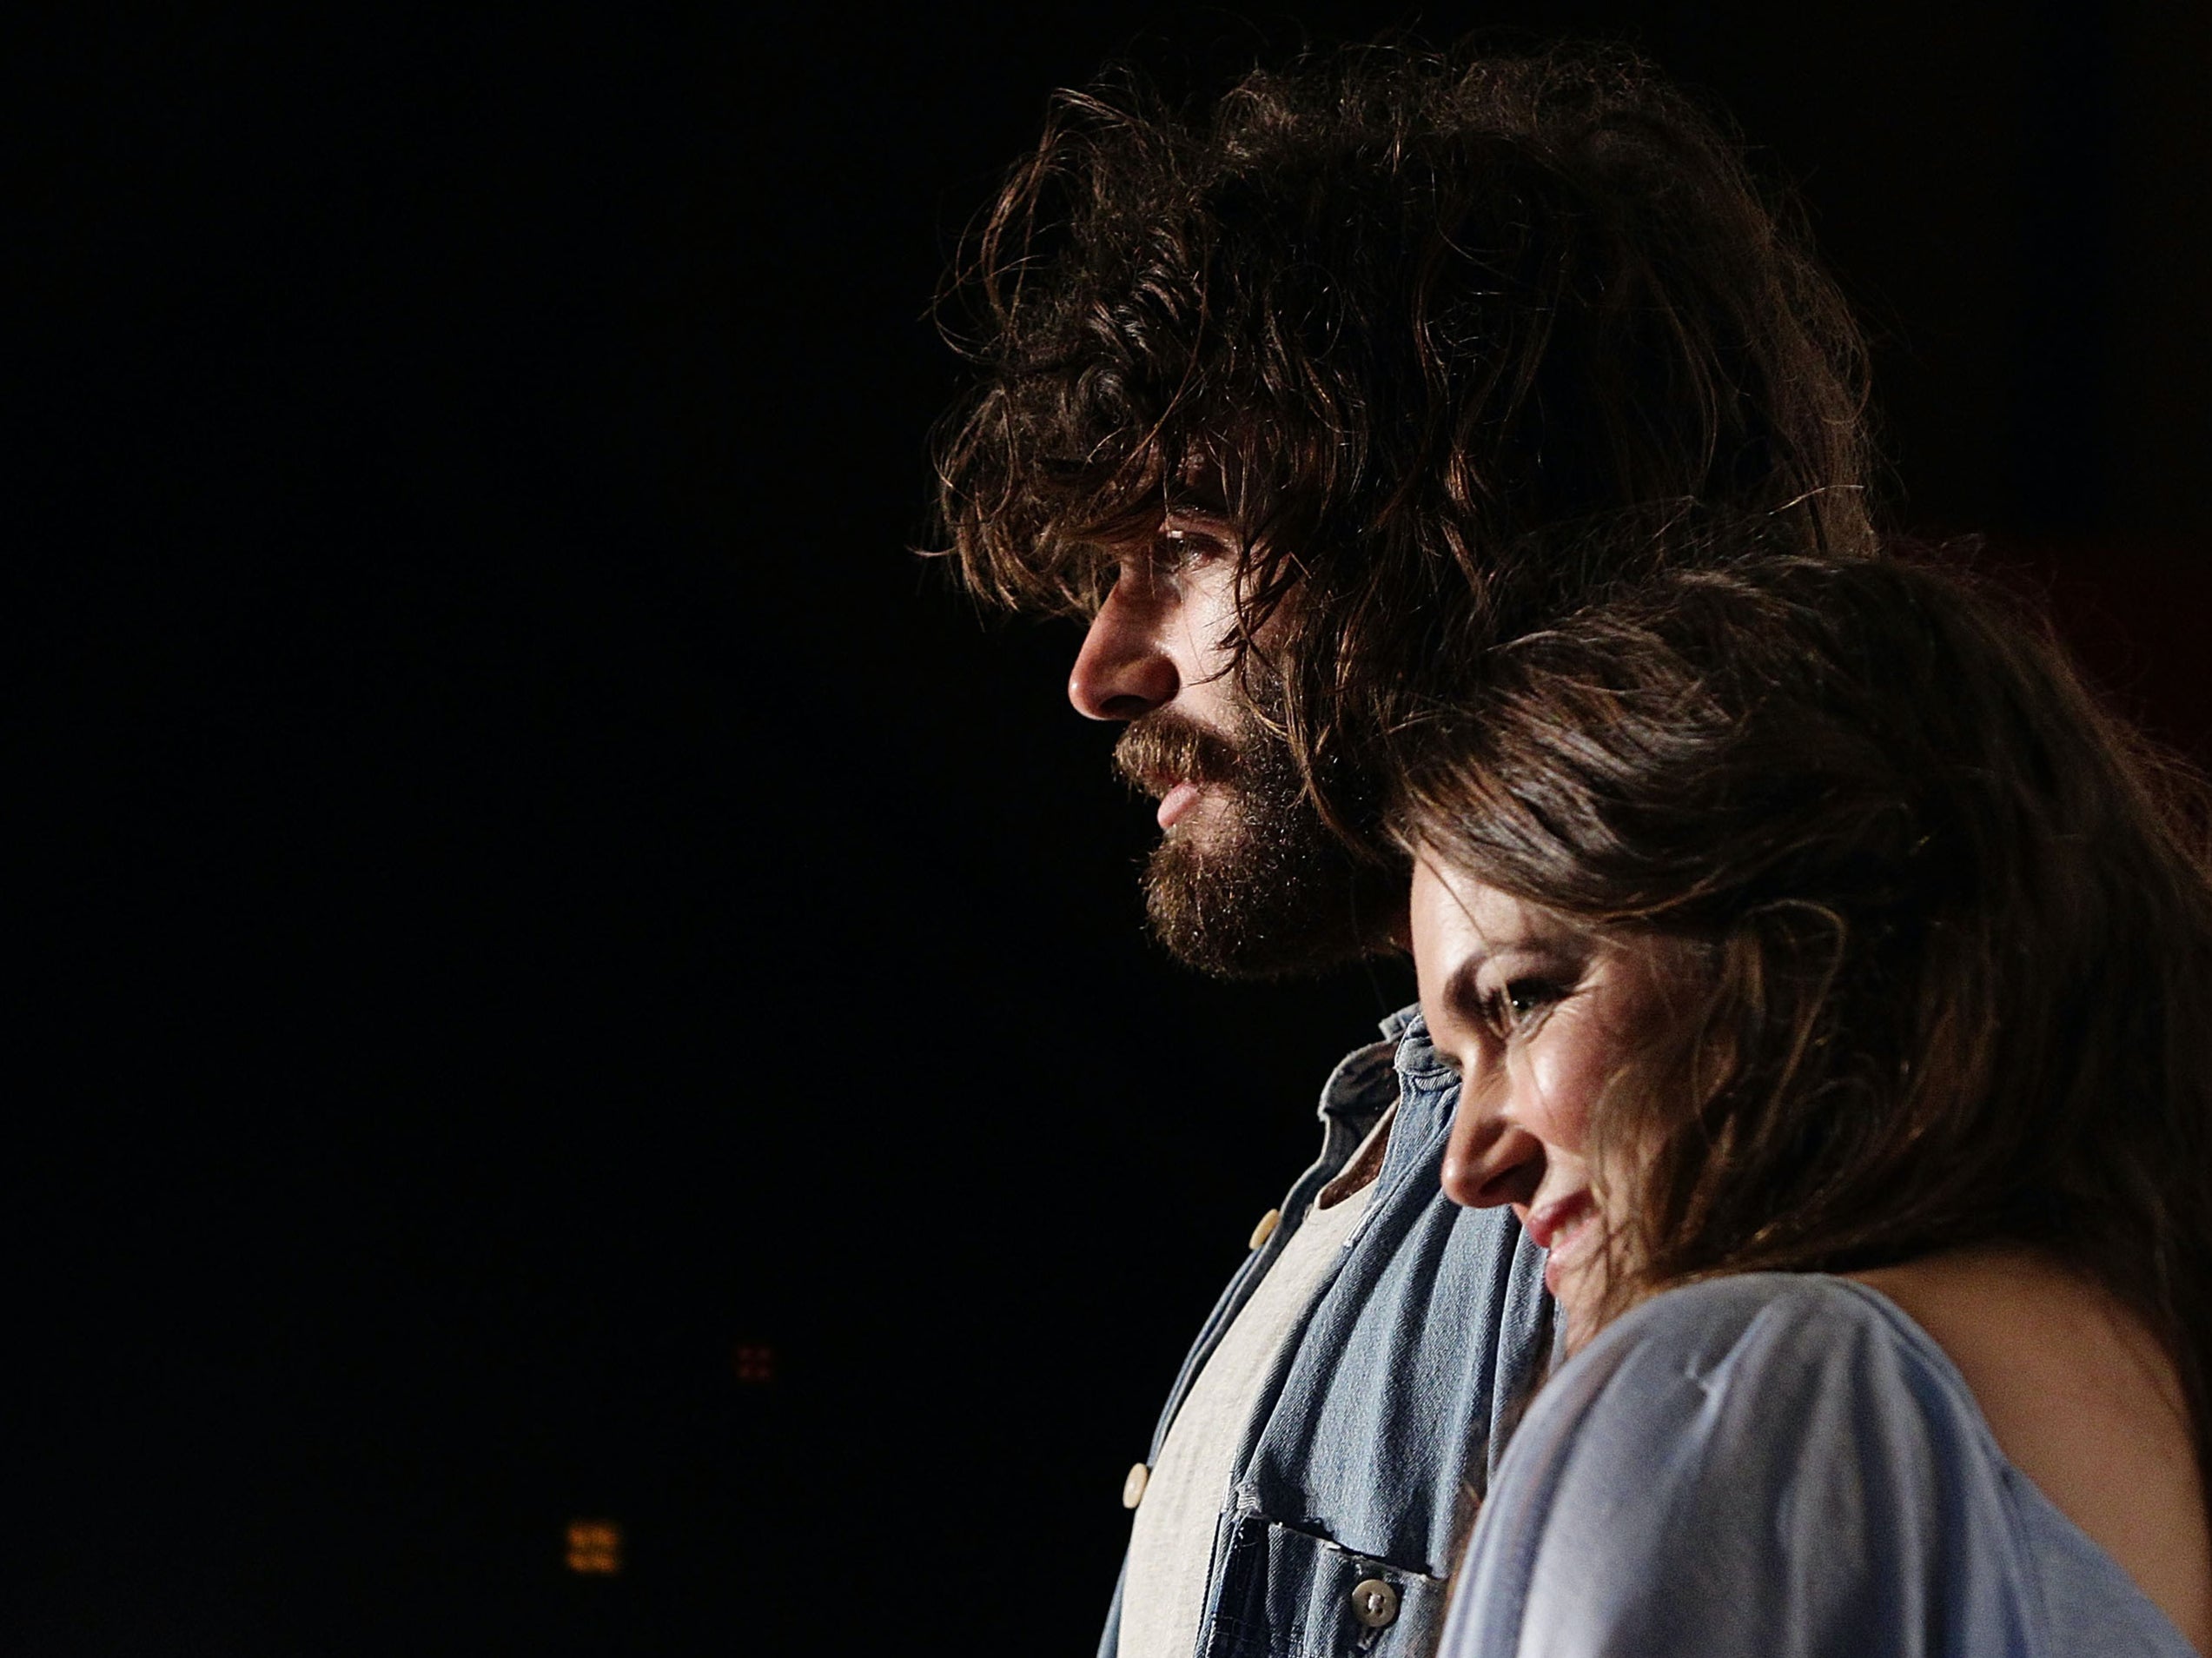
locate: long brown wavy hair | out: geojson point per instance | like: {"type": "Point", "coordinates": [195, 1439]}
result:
{"type": "Point", "coordinates": [1390, 309]}
{"type": "Point", "coordinates": [1942, 925]}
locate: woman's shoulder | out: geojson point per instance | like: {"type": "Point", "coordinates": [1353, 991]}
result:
{"type": "Point", "coordinates": [1766, 1379]}
{"type": "Point", "coordinates": [2083, 1401]}
{"type": "Point", "coordinates": [1759, 1452]}
{"type": "Point", "coordinates": [1716, 1403]}
{"type": "Point", "coordinates": [1735, 1457]}
{"type": "Point", "coordinates": [1729, 1307]}
{"type": "Point", "coordinates": [1765, 1337]}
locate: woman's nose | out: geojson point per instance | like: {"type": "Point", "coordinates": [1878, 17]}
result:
{"type": "Point", "coordinates": [1490, 1161]}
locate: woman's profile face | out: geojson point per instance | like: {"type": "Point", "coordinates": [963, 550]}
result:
{"type": "Point", "coordinates": [1537, 1015]}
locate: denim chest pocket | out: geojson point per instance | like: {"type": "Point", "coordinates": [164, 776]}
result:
{"type": "Point", "coordinates": [1284, 1593]}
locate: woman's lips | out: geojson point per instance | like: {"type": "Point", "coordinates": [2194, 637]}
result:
{"type": "Point", "coordinates": [1558, 1226]}
{"type": "Point", "coordinates": [1175, 803]}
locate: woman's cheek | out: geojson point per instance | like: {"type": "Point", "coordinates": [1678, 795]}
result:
{"type": "Point", "coordinates": [1560, 1082]}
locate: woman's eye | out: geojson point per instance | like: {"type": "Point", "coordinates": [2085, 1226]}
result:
{"type": "Point", "coordinates": [1525, 996]}
{"type": "Point", "coordinates": [1523, 1000]}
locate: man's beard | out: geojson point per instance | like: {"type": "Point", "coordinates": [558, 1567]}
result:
{"type": "Point", "coordinates": [1266, 891]}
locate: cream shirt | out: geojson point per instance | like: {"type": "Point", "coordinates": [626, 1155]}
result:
{"type": "Point", "coordinates": [1171, 1549]}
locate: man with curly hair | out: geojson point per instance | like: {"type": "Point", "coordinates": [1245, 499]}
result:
{"type": "Point", "coordinates": [1294, 399]}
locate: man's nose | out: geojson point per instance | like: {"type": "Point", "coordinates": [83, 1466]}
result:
{"type": "Point", "coordinates": [1122, 673]}
{"type": "Point", "coordinates": [1489, 1161]}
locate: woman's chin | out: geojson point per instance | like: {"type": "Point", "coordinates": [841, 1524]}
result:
{"type": "Point", "coordinates": [1577, 1287]}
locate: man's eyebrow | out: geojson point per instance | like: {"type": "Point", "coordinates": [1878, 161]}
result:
{"type": "Point", "coordinates": [1214, 520]}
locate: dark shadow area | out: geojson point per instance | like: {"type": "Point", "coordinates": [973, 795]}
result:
{"type": "Point", "coordinates": [559, 973]}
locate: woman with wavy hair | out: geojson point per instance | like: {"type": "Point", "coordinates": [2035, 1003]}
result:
{"type": "Point", "coordinates": [1831, 982]}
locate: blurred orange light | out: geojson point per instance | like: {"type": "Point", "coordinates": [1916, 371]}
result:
{"type": "Point", "coordinates": [594, 1548]}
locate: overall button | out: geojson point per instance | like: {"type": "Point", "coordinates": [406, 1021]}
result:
{"type": "Point", "coordinates": [1133, 1487]}
{"type": "Point", "coordinates": [1265, 1230]}
{"type": "Point", "coordinates": [1375, 1603]}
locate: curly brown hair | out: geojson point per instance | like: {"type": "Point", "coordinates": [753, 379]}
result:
{"type": "Point", "coordinates": [1393, 310]}
{"type": "Point", "coordinates": [1943, 926]}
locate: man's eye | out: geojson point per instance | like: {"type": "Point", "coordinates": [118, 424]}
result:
{"type": "Point", "coordinates": [1175, 549]}
{"type": "Point", "coordinates": [1179, 546]}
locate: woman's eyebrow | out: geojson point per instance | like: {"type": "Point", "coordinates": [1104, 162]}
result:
{"type": "Point", "coordinates": [1460, 990]}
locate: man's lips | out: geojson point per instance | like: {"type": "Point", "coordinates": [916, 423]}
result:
{"type": "Point", "coordinates": [1176, 803]}
{"type": "Point", "coordinates": [1173, 760]}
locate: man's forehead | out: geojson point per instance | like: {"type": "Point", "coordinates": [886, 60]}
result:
{"type": "Point", "coordinates": [1202, 484]}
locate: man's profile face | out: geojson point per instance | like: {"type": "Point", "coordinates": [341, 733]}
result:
{"type": "Point", "coordinates": [1246, 880]}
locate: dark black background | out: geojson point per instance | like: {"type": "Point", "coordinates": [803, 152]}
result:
{"type": "Point", "coordinates": [519, 884]}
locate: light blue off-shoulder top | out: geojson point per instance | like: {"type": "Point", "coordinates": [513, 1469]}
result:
{"type": "Point", "coordinates": [1778, 1465]}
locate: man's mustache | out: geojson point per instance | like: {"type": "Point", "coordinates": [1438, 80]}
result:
{"type": "Point", "coordinates": [1162, 750]}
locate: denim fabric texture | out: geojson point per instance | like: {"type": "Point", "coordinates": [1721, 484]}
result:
{"type": "Point", "coordinates": [1377, 1429]}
